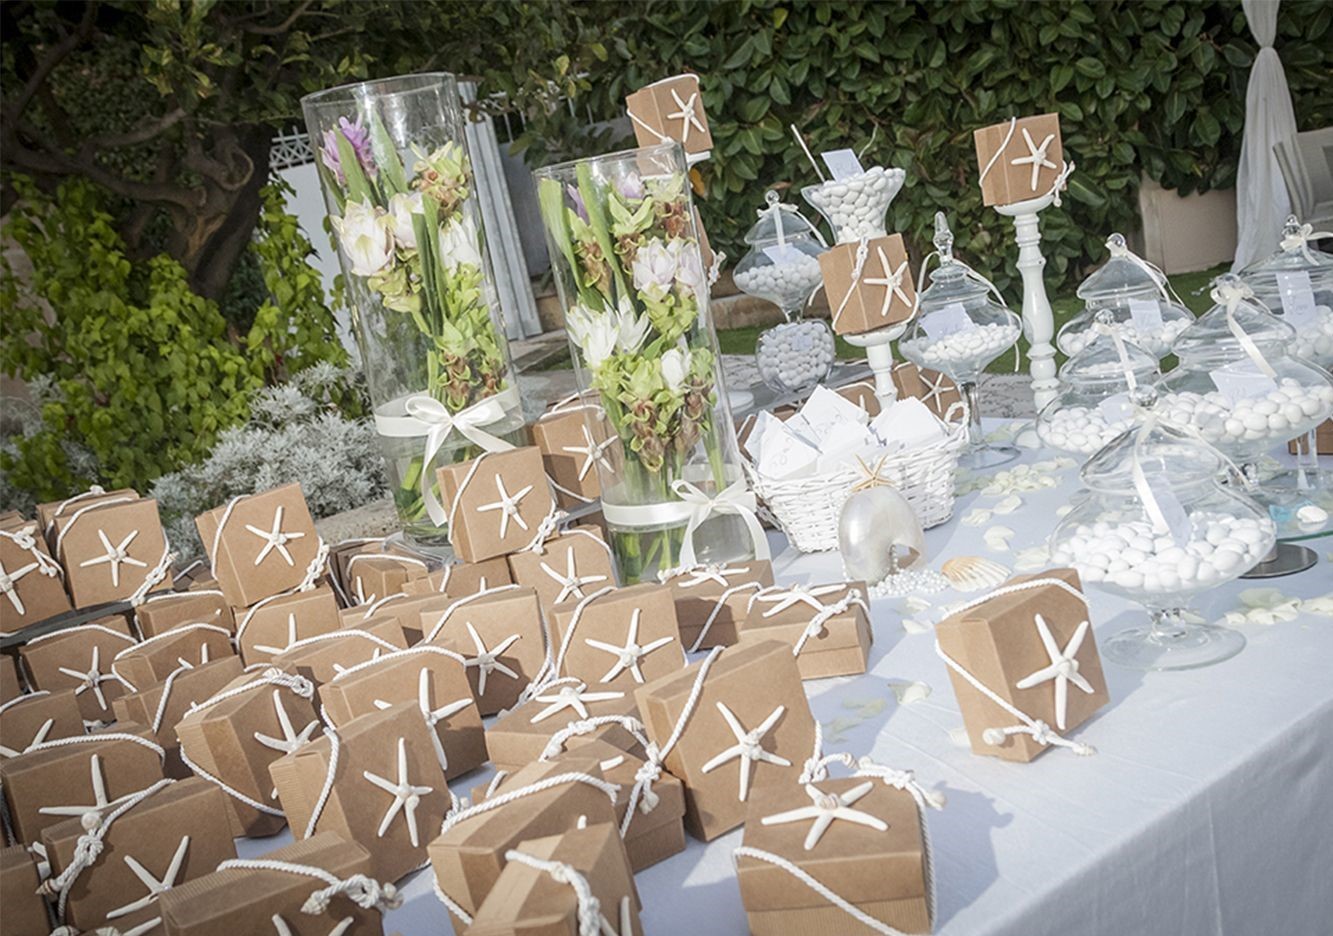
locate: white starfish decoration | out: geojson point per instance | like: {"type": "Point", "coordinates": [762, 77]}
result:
{"type": "Point", "coordinates": [100, 800]}
{"type": "Point", "coordinates": [433, 716]}
{"type": "Point", "coordinates": [1063, 668]}
{"type": "Point", "coordinates": [825, 808]}
{"type": "Point", "coordinates": [686, 115]}
{"type": "Point", "coordinates": [291, 738]}
{"type": "Point", "coordinates": [592, 452]}
{"type": "Point", "coordinates": [9, 579]}
{"type": "Point", "coordinates": [628, 656]}
{"type": "Point", "coordinates": [711, 573]}
{"type": "Point", "coordinates": [798, 594]}
{"type": "Point", "coordinates": [892, 283]}
{"type": "Point", "coordinates": [934, 390]}
{"type": "Point", "coordinates": [38, 737]}
{"type": "Point", "coordinates": [275, 538]}
{"type": "Point", "coordinates": [361, 597]}
{"type": "Point", "coordinates": [507, 505]}
{"type": "Point", "coordinates": [282, 929]}
{"type": "Point", "coordinates": [406, 796]}
{"type": "Point", "coordinates": [574, 697]}
{"type": "Point", "coordinates": [748, 747]}
{"type": "Point", "coordinates": [571, 583]}
{"type": "Point", "coordinates": [1036, 156]}
{"type": "Point", "coordinates": [488, 661]}
{"type": "Point", "coordinates": [156, 887]}
{"type": "Point", "coordinates": [115, 556]}
{"type": "Point", "coordinates": [291, 638]}
{"type": "Point", "coordinates": [92, 679]}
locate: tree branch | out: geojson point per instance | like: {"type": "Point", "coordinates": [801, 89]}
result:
{"type": "Point", "coordinates": [130, 138]}
{"type": "Point", "coordinates": [49, 161]}
{"type": "Point", "coordinates": [284, 25]}
{"type": "Point", "coordinates": [57, 54]}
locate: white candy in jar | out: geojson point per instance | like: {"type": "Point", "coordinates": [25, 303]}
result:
{"type": "Point", "coordinates": [855, 206]}
{"type": "Point", "coordinates": [1314, 339]}
{"type": "Point", "coordinates": [984, 343]}
{"type": "Point", "coordinates": [1081, 429]}
{"type": "Point", "coordinates": [787, 284]}
{"type": "Point", "coordinates": [1157, 343]}
{"type": "Point", "coordinates": [1131, 557]}
{"type": "Point", "coordinates": [1278, 415]}
{"type": "Point", "coordinates": [795, 355]}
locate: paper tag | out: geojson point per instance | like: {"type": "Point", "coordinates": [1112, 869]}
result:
{"type": "Point", "coordinates": [784, 254]}
{"type": "Point", "coordinates": [1298, 308]}
{"type": "Point", "coordinates": [909, 423]}
{"type": "Point", "coordinates": [949, 320]}
{"type": "Point", "coordinates": [1177, 521]}
{"type": "Point", "coordinates": [842, 163]}
{"type": "Point", "coordinates": [783, 455]}
{"type": "Point", "coordinates": [826, 410]}
{"type": "Point", "coordinates": [1116, 408]}
{"type": "Point", "coordinates": [1242, 380]}
{"type": "Point", "coordinates": [754, 442]}
{"type": "Point", "coordinates": [1146, 314]}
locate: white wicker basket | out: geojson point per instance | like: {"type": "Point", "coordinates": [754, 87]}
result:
{"type": "Point", "coordinates": [808, 508]}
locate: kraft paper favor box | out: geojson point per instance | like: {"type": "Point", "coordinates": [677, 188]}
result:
{"type": "Point", "coordinates": [656, 830]}
{"type": "Point", "coordinates": [266, 545]}
{"type": "Point", "coordinates": [752, 689]}
{"type": "Point", "coordinates": [182, 689]}
{"type": "Point", "coordinates": [1323, 440]}
{"type": "Point", "coordinates": [173, 835]}
{"type": "Point", "coordinates": [169, 610]}
{"type": "Point", "coordinates": [1024, 158]}
{"type": "Point", "coordinates": [50, 784]}
{"type": "Point", "coordinates": [264, 631]}
{"type": "Point", "coordinates": [496, 502]}
{"type": "Point", "coordinates": [671, 109]}
{"type": "Point", "coordinates": [1000, 642]}
{"type": "Point", "coordinates": [433, 678]}
{"type": "Point", "coordinates": [24, 910]}
{"type": "Point", "coordinates": [461, 579]}
{"type": "Point", "coordinates": [576, 440]}
{"type": "Point", "coordinates": [341, 555]}
{"type": "Point", "coordinates": [520, 736]}
{"type": "Point", "coordinates": [884, 294]}
{"type": "Point", "coordinates": [711, 600]}
{"type": "Point", "coordinates": [149, 662]}
{"type": "Point", "coordinates": [883, 873]}
{"type": "Point", "coordinates": [569, 567]}
{"type": "Point", "coordinates": [240, 902]}
{"type": "Point", "coordinates": [840, 646]}
{"type": "Point", "coordinates": [500, 635]}
{"type": "Point", "coordinates": [388, 791]}
{"type": "Point", "coordinates": [11, 684]}
{"type": "Point", "coordinates": [235, 740]}
{"type": "Point", "coordinates": [80, 658]}
{"type": "Point", "coordinates": [528, 900]}
{"type": "Point", "coordinates": [109, 551]}
{"type": "Point", "coordinates": [40, 716]}
{"type": "Point", "coordinates": [932, 388]}
{"type": "Point", "coordinates": [48, 513]}
{"type": "Point", "coordinates": [372, 575]}
{"type": "Point", "coordinates": [468, 856]}
{"type": "Point", "coordinates": [320, 658]}
{"type": "Point", "coordinates": [32, 586]}
{"type": "Point", "coordinates": [410, 611]}
{"type": "Point", "coordinates": [622, 639]}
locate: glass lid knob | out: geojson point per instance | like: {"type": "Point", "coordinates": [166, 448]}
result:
{"type": "Point", "coordinates": [943, 238]}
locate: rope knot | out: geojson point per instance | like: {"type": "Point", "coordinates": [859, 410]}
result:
{"type": "Point", "coordinates": [648, 774]}
{"type": "Point", "coordinates": [363, 891]}
{"type": "Point", "coordinates": [561, 873]}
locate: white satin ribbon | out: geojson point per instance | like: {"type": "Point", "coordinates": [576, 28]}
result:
{"type": "Point", "coordinates": [1300, 237]}
{"type": "Point", "coordinates": [423, 416]}
{"type": "Point", "coordinates": [1231, 295]}
{"type": "Point", "coordinates": [694, 507]}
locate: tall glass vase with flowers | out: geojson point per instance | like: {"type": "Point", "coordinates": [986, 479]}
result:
{"type": "Point", "coordinates": [625, 251]}
{"type": "Point", "coordinates": [401, 198]}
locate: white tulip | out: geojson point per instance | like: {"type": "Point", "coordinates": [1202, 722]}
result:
{"type": "Point", "coordinates": [675, 366]}
{"type": "Point", "coordinates": [365, 238]}
{"type": "Point", "coordinates": [401, 209]}
{"type": "Point", "coordinates": [458, 244]}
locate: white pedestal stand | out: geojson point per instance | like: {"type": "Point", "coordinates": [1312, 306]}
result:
{"type": "Point", "coordinates": [1038, 322]}
{"type": "Point", "coordinates": [879, 354]}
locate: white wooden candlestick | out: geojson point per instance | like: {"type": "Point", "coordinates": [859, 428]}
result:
{"type": "Point", "coordinates": [879, 354]}
{"type": "Point", "coordinates": [1038, 321]}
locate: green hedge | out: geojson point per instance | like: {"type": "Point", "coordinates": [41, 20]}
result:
{"type": "Point", "coordinates": [1143, 87]}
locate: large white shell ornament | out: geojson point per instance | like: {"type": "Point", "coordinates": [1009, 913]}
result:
{"type": "Point", "coordinates": [878, 526]}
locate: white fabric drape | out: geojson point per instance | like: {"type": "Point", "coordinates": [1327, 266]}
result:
{"type": "Point", "coordinates": [1261, 196]}
{"type": "Point", "coordinates": [497, 211]}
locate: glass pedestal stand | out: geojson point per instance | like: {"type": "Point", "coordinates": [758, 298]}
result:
{"type": "Point", "coordinates": [879, 355]}
{"type": "Point", "coordinates": [1286, 557]}
{"type": "Point", "coordinates": [980, 454]}
{"type": "Point", "coordinates": [1038, 321]}
{"type": "Point", "coordinates": [1170, 642]}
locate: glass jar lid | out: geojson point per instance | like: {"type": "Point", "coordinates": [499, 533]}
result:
{"type": "Point", "coordinates": [1125, 274]}
{"type": "Point", "coordinates": [1295, 253]}
{"type": "Point", "coordinates": [1107, 359]}
{"type": "Point", "coordinates": [779, 222]}
{"type": "Point", "coordinates": [953, 280]}
{"type": "Point", "coordinates": [1167, 456]}
{"type": "Point", "coordinates": [1213, 332]}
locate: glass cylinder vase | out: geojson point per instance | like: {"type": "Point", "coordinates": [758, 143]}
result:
{"type": "Point", "coordinates": [401, 197]}
{"type": "Point", "coordinates": [625, 252]}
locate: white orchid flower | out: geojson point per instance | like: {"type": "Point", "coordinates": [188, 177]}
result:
{"type": "Point", "coordinates": [401, 209]}
{"type": "Point", "coordinates": [675, 367]}
{"type": "Point", "coordinates": [654, 270]}
{"type": "Point", "coordinates": [632, 330]}
{"type": "Point", "coordinates": [365, 237]}
{"type": "Point", "coordinates": [459, 244]}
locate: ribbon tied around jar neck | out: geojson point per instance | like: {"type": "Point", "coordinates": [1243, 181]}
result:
{"type": "Point", "coordinates": [736, 499]}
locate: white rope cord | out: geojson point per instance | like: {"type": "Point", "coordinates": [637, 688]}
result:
{"type": "Point", "coordinates": [83, 627]}
{"type": "Point", "coordinates": [458, 495]}
{"type": "Point", "coordinates": [588, 908]}
{"type": "Point", "coordinates": [547, 528]}
{"type": "Point", "coordinates": [74, 517]}
{"type": "Point", "coordinates": [398, 655]}
{"type": "Point", "coordinates": [167, 685]}
{"type": "Point", "coordinates": [551, 666]}
{"type": "Point", "coordinates": [391, 556]}
{"type": "Point", "coordinates": [161, 596]}
{"type": "Point", "coordinates": [995, 157]}
{"type": "Point", "coordinates": [90, 845]}
{"type": "Point", "coordinates": [94, 490]}
{"type": "Point", "coordinates": [103, 736]}
{"type": "Point", "coordinates": [458, 603]}
{"type": "Point", "coordinates": [494, 785]}
{"type": "Point", "coordinates": [449, 903]}
{"type": "Point", "coordinates": [25, 697]}
{"type": "Point", "coordinates": [23, 539]}
{"type": "Point", "coordinates": [174, 632]}
{"type": "Point", "coordinates": [156, 575]}
{"type": "Point", "coordinates": [717, 611]}
{"type": "Point", "coordinates": [858, 267]}
{"type": "Point", "coordinates": [312, 572]}
{"type": "Point", "coordinates": [217, 534]}
{"type": "Point", "coordinates": [641, 795]}
{"type": "Point", "coordinates": [691, 701]}
{"type": "Point", "coordinates": [364, 891]}
{"type": "Point", "coordinates": [387, 599]}
{"type": "Point", "coordinates": [341, 635]}
{"type": "Point", "coordinates": [183, 573]}
{"type": "Point", "coordinates": [330, 775]}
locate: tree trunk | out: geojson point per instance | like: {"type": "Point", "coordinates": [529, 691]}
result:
{"type": "Point", "coordinates": [219, 238]}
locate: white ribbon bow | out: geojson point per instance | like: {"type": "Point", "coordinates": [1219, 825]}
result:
{"type": "Point", "coordinates": [735, 499]}
{"type": "Point", "coordinates": [1299, 237]}
{"type": "Point", "coordinates": [1231, 294]}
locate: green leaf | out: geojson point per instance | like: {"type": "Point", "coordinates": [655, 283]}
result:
{"type": "Point", "coordinates": [386, 157]}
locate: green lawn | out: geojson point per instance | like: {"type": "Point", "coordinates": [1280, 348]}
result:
{"type": "Point", "coordinates": [1191, 287]}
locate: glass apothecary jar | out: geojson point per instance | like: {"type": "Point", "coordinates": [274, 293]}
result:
{"type": "Point", "coordinates": [1095, 401]}
{"type": "Point", "coordinates": [855, 207]}
{"type": "Point", "coordinates": [1159, 527]}
{"type": "Point", "coordinates": [1136, 294]}
{"type": "Point", "coordinates": [782, 267]}
{"type": "Point", "coordinates": [1296, 284]}
{"type": "Point", "coordinates": [627, 265]}
{"type": "Point", "coordinates": [961, 325]}
{"type": "Point", "coordinates": [401, 198]}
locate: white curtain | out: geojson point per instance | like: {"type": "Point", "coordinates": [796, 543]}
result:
{"type": "Point", "coordinates": [1261, 197]}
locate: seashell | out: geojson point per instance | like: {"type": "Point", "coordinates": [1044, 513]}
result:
{"type": "Point", "coordinates": [915, 604]}
{"type": "Point", "coordinates": [1008, 505]}
{"type": "Point", "coordinates": [1032, 558]}
{"type": "Point", "coordinates": [1312, 515]}
{"type": "Point", "coordinates": [998, 537]}
{"type": "Point", "coordinates": [973, 573]}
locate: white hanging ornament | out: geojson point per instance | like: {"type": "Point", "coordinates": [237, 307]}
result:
{"type": "Point", "coordinates": [879, 534]}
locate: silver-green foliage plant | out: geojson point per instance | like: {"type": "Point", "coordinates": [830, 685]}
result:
{"type": "Point", "coordinates": [296, 433]}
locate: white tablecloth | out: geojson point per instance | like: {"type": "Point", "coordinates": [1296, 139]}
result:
{"type": "Point", "coordinates": [1207, 809]}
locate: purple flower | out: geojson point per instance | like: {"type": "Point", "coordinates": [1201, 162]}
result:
{"type": "Point", "coordinates": [580, 208]}
{"type": "Point", "coordinates": [359, 137]}
{"type": "Point", "coordinates": [630, 187]}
